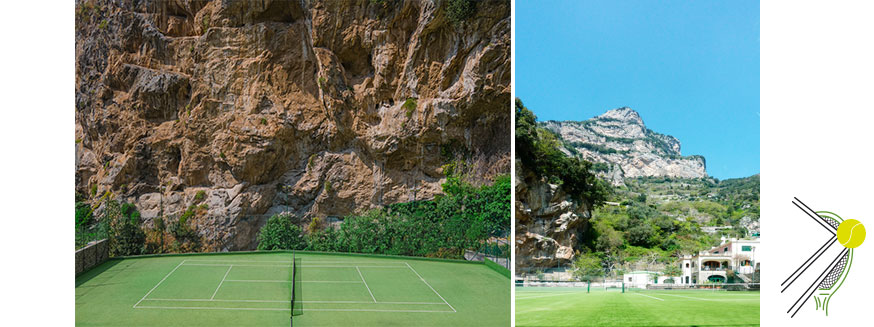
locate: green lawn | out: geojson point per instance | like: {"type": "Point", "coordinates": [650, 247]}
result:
{"type": "Point", "coordinates": [254, 289]}
{"type": "Point", "coordinates": [556, 306]}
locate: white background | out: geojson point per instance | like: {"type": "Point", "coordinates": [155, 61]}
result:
{"type": "Point", "coordinates": [817, 79]}
{"type": "Point", "coordinates": [817, 65]}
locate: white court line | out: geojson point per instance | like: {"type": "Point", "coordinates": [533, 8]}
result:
{"type": "Point", "coordinates": [287, 262]}
{"type": "Point", "coordinates": [228, 264]}
{"type": "Point", "coordinates": [537, 297]}
{"type": "Point", "coordinates": [222, 282]}
{"type": "Point", "coordinates": [288, 281]}
{"type": "Point", "coordinates": [257, 281]}
{"type": "Point", "coordinates": [651, 297]}
{"type": "Point", "coordinates": [365, 284]}
{"type": "Point", "coordinates": [159, 283]}
{"type": "Point", "coordinates": [277, 309]}
{"type": "Point", "coordinates": [275, 301]}
{"type": "Point", "coordinates": [429, 286]}
{"type": "Point", "coordinates": [218, 300]}
{"type": "Point", "coordinates": [212, 308]}
{"type": "Point", "coordinates": [249, 261]}
{"type": "Point", "coordinates": [376, 310]}
{"type": "Point", "coordinates": [304, 266]}
{"type": "Point", "coordinates": [703, 299]}
{"type": "Point", "coordinates": [364, 302]}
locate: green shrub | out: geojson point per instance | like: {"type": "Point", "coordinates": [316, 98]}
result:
{"type": "Point", "coordinates": [587, 266]}
{"type": "Point", "coordinates": [323, 83]}
{"type": "Point", "coordinates": [263, 121]}
{"type": "Point", "coordinates": [84, 215]}
{"type": "Point", "coordinates": [279, 233]}
{"type": "Point", "coordinates": [88, 228]}
{"type": "Point", "coordinates": [179, 229]}
{"type": "Point", "coordinates": [315, 224]}
{"type": "Point", "coordinates": [205, 22]}
{"type": "Point", "coordinates": [310, 161]}
{"type": "Point", "coordinates": [464, 218]}
{"type": "Point", "coordinates": [327, 240]}
{"type": "Point", "coordinates": [410, 106]}
{"type": "Point", "coordinates": [199, 196]}
{"type": "Point", "coordinates": [125, 235]}
{"type": "Point", "coordinates": [459, 10]}
{"type": "Point", "coordinates": [187, 214]}
{"type": "Point", "coordinates": [328, 186]}
{"type": "Point", "coordinates": [103, 24]}
{"type": "Point", "coordinates": [94, 190]}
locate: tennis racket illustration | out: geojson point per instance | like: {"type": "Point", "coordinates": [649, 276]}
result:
{"type": "Point", "coordinates": [848, 233]}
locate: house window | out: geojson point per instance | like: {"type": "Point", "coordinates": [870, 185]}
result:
{"type": "Point", "coordinates": [687, 265]}
{"type": "Point", "coordinates": [629, 279]}
{"type": "Point", "coordinates": [746, 248]}
{"type": "Point", "coordinates": [687, 279]}
{"type": "Point", "coordinates": [725, 250]}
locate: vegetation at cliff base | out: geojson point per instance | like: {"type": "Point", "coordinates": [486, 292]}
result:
{"type": "Point", "coordinates": [539, 150]}
{"type": "Point", "coordinates": [465, 217]}
{"type": "Point", "coordinates": [279, 233]}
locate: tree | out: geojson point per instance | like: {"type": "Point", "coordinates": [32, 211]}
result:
{"type": "Point", "coordinates": [125, 235]}
{"type": "Point", "coordinates": [672, 269]}
{"type": "Point", "coordinates": [609, 240]}
{"type": "Point", "coordinates": [587, 266]}
{"type": "Point", "coordinates": [279, 233]}
{"type": "Point", "coordinates": [641, 234]}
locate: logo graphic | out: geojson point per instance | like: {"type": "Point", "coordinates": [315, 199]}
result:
{"type": "Point", "coordinates": [848, 233]}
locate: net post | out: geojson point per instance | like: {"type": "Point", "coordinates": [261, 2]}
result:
{"type": "Point", "coordinates": [292, 276]}
{"type": "Point", "coordinates": [623, 286]}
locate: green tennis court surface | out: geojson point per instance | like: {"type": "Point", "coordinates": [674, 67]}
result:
{"type": "Point", "coordinates": [564, 306]}
{"type": "Point", "coordinates": [254, 289]}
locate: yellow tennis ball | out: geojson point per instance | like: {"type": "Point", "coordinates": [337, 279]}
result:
{"type": "Point", "coordinates": [851, 233]}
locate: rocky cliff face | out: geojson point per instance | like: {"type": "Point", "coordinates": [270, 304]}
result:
{"type": "Point", "coordinates": [321, 108]}
{"type": "Point", "coordinates": [619, 139]}
{"type": "Point", "coordinates": [549, 223]}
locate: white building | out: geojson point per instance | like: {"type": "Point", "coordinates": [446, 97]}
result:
{"type": "Point", "coordinates": [738, 256]}
{"type": "Point", "coordinates": [641, 278]}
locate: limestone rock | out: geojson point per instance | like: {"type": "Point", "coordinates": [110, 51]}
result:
{"type": "Point", "coordinates": [549, 224]}
{"type": "Point", "coordinates": [271, 106]}
{"type": "Point", "coordinates": [619, 139]}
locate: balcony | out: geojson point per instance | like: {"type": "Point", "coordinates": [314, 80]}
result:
{"type": "Point", "coordinates": [705, 268]}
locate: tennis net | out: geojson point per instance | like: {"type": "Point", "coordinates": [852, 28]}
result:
{"type": "Point", "coordinates": [291, 290]}
{"type": "Point", "coordinates": [296, 290]}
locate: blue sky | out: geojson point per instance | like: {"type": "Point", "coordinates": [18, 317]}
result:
{"type": "Point", "coordinates": [690, 68]}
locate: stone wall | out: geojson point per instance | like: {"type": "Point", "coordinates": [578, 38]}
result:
{"type": "Point", "coordinates": [92, 255]}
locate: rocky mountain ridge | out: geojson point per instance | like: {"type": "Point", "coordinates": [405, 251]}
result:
{"type": "Point", "coordinates": [251, 108]}
{"type": "Point", "coordinates": [621, 146]}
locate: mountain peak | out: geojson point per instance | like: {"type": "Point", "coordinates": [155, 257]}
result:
{"type": "Point", "coordinates": [625, 114]}
{"type": "Point", "coordinates": [621, 143]}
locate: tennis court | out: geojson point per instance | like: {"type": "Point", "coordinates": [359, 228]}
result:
{"type": "Point", "coordinates": [571, 306]}
{"type": "Point", "coordinates": [256, 289]}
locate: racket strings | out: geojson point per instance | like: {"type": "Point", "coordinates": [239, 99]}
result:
{"type": "Point", "coordinates": [834, 274]}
